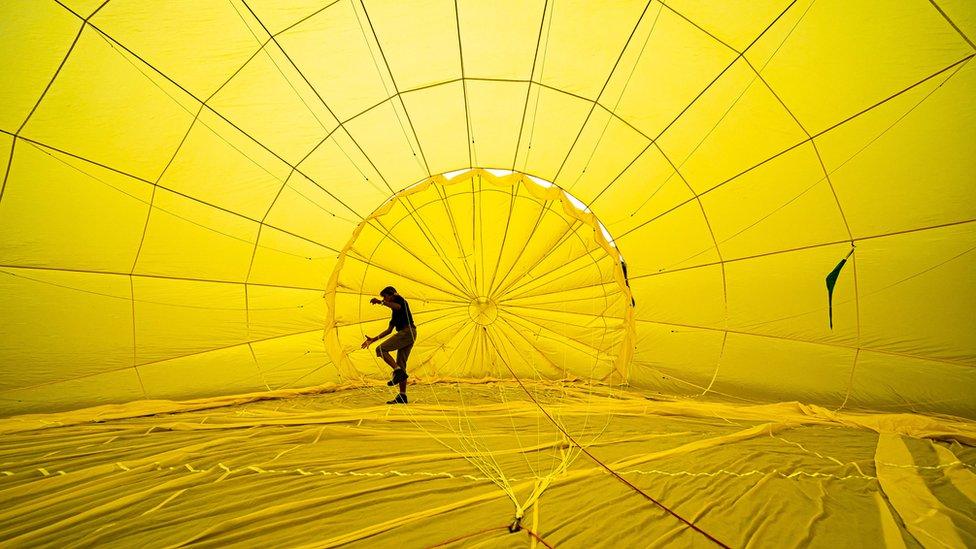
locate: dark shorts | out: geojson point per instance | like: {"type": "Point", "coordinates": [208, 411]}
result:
{"type": "Point", "coordinates": [401, 342]}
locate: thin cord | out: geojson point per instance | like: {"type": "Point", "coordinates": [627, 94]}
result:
{"type": "Point", "coordinates": [607, 467]}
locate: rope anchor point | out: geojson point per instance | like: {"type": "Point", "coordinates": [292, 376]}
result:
{"type": "Point", "coordinates": [515, 526]}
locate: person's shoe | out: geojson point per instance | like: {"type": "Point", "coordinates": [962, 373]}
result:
{"type": "Point", "coordinates": [399, 375]}
{"type": "Point", "coordinates": [401, 398]}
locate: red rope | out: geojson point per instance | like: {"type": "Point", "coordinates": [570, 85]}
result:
{"type": "Point", "coordinates": [537, 537]}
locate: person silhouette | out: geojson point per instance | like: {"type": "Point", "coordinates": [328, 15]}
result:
{"type": "Point", "coordinates": [402, 341]}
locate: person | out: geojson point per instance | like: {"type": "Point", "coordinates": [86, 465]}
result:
{"type": "Point", "coordinates": [402, 341]}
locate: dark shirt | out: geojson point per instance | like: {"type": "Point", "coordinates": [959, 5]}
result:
{"type": "Point", "coordinates": [402, 318]}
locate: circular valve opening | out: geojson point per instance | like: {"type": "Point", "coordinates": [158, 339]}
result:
{"type": "Point", "coordinates": [506, 275]}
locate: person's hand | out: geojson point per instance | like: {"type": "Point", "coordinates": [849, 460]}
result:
{"type": "Point", "coordinates": [375, 301]}
{"type": "Point", "coordinates": [366, 343]}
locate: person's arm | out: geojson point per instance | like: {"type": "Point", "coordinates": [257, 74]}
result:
{"type": "Point", "coordinates": [389, 303]}
{"type": "Point", "coordinates": [393, 302]}
{"type": "Point", "coordinates": [370, 340]}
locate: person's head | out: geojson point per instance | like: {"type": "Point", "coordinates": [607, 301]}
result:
{"type": "Point", "coordinates": [388, 293]}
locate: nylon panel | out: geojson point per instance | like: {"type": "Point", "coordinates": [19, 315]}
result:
{"type": "Point", "coordinates": [36, 38]}
{"type": "Point", "coordinates": [333, 38]}
{"type": "Point", "coordinates": [271, 103]}
{"type": "Point", "coordinates": [108, 81]}
{"type": "Point", "coordinates": [495, 112]}
{"type": "Point", "coordinates": [496, 36]}
{"type": "Point", "coordinates": [440, 114]}
{"type": "Point", "coordinates": [92, 217]}
{"type": "Point", "coordinates": [148, 27]}
{"type": "Point", "coordinates": [218, 165]}
{"type": "Point", "coordinates": [736, 23]}
{"type": "Point", "coordinates": [416, 59]}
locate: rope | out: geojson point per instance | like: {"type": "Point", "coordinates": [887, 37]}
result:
{"type": "Point", "coordinates": [537, 538]}
{"type": "Point", "coordinates": [603, 465]}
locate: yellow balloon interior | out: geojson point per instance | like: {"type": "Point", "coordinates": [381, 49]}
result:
{"type": "Point", "coordinates": [683, 272]}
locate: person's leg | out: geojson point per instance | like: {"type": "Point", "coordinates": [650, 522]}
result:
{"type": "Point", "coordinates": [397, 342]}
{"type": "Point", "coordinates": [403, 354]}
{"type": "Point", "coordinates": [400, 371]}
{"type": "Point", "coordinates": [402, 342]}
{"type": "Point", "coordinates": [392, 343]}
{"type": "Point", "coordinates": [386, 356]}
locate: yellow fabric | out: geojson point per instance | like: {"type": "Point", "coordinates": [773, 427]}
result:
{"type": "Point", "coordinates": [590, 200]}
{"type": "Point", "coordinates": [331, 465]}
{"type": "Point", "coordinates": [905, 485]}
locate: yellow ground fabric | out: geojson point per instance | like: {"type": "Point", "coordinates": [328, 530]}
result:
{"type": "Point", "coordinates": [613, 220]}
{"type": "Point", "coordinates": [332, 466]}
